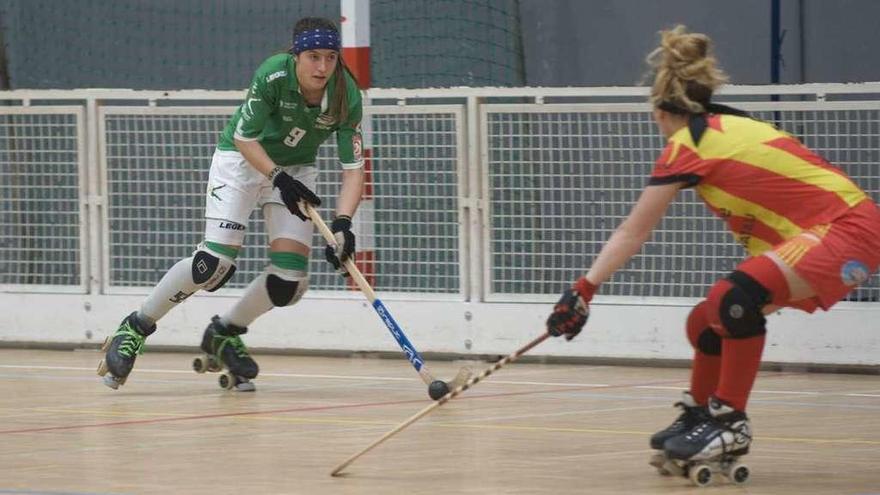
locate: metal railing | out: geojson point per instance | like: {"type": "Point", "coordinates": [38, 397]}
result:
{"type": "Point", "coordinates": [480, 194]}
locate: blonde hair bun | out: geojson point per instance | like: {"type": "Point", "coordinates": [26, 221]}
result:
{"type": "Point", "coordinates": [685, 70]}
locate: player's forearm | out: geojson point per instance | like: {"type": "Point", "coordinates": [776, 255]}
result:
{"type": "Point", "coordinates": [627, 240]}
{"type": "Point", "coordinates": [253, 152]}
{"type": "Point", "coordinates": [351, 191]}
{"type": "Point", "coordinates": [621, 246]}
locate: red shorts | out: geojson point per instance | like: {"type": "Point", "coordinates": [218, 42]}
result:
{"type": "Point", "coordinates": [845, 255]}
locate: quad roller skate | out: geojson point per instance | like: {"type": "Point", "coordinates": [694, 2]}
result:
{"type": "Point", "coordinates": [226, 353]}
{"type": "Point", "coordinates": [713, 446]}
{"type": "Point", "coordinates": [122, 348]}
{"type": "Point", "coordinates": [692, 414]}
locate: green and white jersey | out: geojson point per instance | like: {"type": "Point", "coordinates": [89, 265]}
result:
{"type": "Point", "coordinates": [276, 114]}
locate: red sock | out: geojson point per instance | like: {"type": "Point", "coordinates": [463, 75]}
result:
{"type": "Point", "coordinates": [706, 368]}
{"type": "Point", "coordinates": [742, 357]}
{"type": "Point", "coordinates": [739, 368]}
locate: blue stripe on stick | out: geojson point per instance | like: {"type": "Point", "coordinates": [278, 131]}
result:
{"type": "Point", "coordinates": [410, 350]}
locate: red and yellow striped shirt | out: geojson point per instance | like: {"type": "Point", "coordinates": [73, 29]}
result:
{"type": "Point", "coordinates": [764, 183]}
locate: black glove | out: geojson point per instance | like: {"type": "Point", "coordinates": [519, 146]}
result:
{"type": "Point", "coordinates": [292, 192]}
{"type": "Point", "coordinates": [341, 228]}
{"type": "Point", "coordinates": [571, 312]}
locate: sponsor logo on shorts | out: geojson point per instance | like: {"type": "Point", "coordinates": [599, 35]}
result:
{"type": "Point", "coordinates": [854, 272]}
{"type": "Point", "coordinates": [212, 191]}
{"type": "Point", "coordinates": [231, 226]}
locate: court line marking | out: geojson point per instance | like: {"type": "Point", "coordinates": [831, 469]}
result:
{"type": "Point", "coordinates": [412, 379]}
{"type": "Point", "coordinates": [41, 492]}
{"type": "Point", "coordinates": [253, 414]}
{"type": "Point", "coordinates": [291, 410]}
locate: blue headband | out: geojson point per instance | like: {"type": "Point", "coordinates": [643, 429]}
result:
{"type": "Point", "coordinates": [314, 39]}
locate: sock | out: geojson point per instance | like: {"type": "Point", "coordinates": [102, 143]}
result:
{"type": "Point", "coordinates": [739, 368]}
{"type": "Point", "coordinates": [176, 285]}
{"type": "Point", "coordinates": [706, 368]}
{"type": "Point", "coordinates": [256, 300]}
{"type": "Point", "coordinates": [252, 304]}
{"type": "Point", "coordinates": [741, 358]}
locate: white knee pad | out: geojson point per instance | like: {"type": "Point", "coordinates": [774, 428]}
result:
{"type": "Point", "coordinates": [285, 287]}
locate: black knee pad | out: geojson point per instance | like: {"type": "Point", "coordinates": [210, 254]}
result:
{"type": "Point", "coordinates": [285, 292]}
{"type": "Point", "coordinates": [709, 343]}
{"type": "Point", "coordinates": [740, 307]}
{"type": "Point", "coordinates": [209, 271]}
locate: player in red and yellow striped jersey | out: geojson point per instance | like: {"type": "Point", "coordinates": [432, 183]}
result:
{"type": "Point", "coordinates": [813, 235]}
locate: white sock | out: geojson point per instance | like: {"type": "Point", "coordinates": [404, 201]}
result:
{"type": "Point", "coordinates": [252, 304]}
{"type": "Point", "coordinates": [173, 289]}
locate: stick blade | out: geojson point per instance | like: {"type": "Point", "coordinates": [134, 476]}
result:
{"type": "Point", "coordinates": [464, 374]}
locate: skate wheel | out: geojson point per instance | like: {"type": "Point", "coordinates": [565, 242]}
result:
{"type": "Point", "coordinates": [199, 365]}
{"type": "Point", "coordinates": [700, 475]}
{"type": "Point", "coordinates": [102, 368]}
{"type": "Point", "coordinates": [226, 381]}
{"type": "Point", "coordinates": [106, 344]}
{"type": "Point", "coordinates": [739, 474]}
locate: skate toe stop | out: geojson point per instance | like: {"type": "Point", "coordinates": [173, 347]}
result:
{"type": "Point", "coordinates": [110, 381]}
{"type": "Point", "coordinates": [245, 387]}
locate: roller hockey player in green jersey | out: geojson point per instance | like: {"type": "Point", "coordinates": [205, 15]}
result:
{"type": "Point", "coordinates": [265, 158]}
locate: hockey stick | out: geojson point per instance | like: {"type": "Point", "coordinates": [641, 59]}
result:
{"type": "Point", "coordinates": [436, 388]}
{"type": "Point", "coordinates": [443, 400]}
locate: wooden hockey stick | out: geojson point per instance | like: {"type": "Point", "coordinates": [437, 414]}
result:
{"type": "Point", "coordinates": [443, 400]}
{"type": "Point", "coordinates": [436, 388]}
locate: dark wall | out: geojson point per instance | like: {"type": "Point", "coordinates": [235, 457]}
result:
{"type": "Point", "coordinates": [841, 40]}
{"type": "Point", "coordinates": [177, 44]}
{"type": "Point", "coordinates": [604, 42]}
{"type": "Point", "coordinates": [598, 43]}
{"type": "Point", "coordinates": [155, 44]}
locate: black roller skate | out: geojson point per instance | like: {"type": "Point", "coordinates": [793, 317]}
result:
{"type": "Point", "coordinates": [713, 446]}
{"type": "Point", "coordinates": [122, 348]}
{"type": "Point", "coordinates": [692, 414]}
{"type": "Point", "coordinates": [224, 349]}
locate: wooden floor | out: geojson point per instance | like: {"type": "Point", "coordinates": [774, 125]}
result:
{"type": "Point", "coordinates": [529, 428]}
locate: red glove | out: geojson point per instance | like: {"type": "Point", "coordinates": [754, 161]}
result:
{"type": "Point", "coordinates": [571, 312]}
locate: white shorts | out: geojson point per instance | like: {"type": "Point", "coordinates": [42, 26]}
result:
{"type": "Point", "coordinates": [235, 188]}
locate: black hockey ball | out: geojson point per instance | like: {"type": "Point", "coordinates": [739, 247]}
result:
{"type": "Point", "coordinates": [438, 389]}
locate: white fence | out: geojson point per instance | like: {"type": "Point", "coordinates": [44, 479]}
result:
{"type": "Point", "coordinates": [487, 202]}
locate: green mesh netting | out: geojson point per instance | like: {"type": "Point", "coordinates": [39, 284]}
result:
{"type": "Point", "coordinates": [431, 43]}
